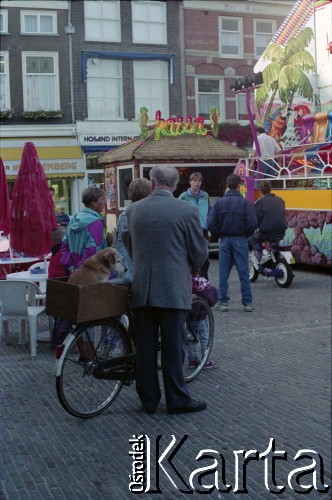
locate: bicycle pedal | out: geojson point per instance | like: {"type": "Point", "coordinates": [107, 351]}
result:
{"type": "Point", "coordinates": [127, 382]}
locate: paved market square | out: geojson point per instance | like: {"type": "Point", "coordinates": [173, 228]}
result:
{"type": "Point", "coordinates": [272, 388]}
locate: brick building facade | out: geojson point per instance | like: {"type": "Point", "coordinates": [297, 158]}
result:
{"type": "Point", "coordinates": [99, 61]}
{"type": "Point", "coordinates": [223, 41]}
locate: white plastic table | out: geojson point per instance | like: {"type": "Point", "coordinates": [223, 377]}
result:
{"type": "Point", "coordinates": [8, 261]}
{"type": "Point", "coordinates": [18, 260]}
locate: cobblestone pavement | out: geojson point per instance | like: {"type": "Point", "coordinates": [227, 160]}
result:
{"type": "Point", "coordinates": [273, 383]}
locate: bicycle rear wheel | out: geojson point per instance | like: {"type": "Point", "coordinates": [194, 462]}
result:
{"type": "Point", "coordinates": [199, 330]}
{"type": "Point", "coordinates": [81, 391]}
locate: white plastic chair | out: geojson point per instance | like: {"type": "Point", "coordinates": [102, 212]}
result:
{"type": "Point", "coordinates": [42, 284]}
{"type": "Point", "coordinates": [15, 305]}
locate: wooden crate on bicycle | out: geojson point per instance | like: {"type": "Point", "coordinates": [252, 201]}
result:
{"type": "Point", "coordinates": [82, 303]}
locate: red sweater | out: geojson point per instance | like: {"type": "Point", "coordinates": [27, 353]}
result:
{"type": "Point", "coordinates": [55, 269]}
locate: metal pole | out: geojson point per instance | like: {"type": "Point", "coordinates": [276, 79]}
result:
{"type": "Point", "coordinates": [253, 130]}
{"type": "Point", "coordinates": [70, 30]}
{"type": "Point", "coordinates": [251, 121]}
{"type": "Point", "coordinates": [182, 61]}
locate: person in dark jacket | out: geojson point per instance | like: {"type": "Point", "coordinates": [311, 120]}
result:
{"type": "Point", "coordinates": [62, 218]}
{"type": "Point", "coordinates": [272, 225]}
{"type": "Point", "coordinates": [233, 220]}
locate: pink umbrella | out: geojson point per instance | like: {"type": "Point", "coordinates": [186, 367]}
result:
{"type": "Point", "coordinates": [32, 216]}
{"type": "Point", "coordinates": [4, 201]}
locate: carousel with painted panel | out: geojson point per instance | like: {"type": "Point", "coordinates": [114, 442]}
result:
{"type": "Point", "coordinates": [302, 177]}
{"type": "Point", "coordinates": [289, 108]}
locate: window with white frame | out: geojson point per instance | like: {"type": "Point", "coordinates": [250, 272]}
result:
{"type": "Point", "coordinates": [102, 20]}
{"type": "Point", "coordinates": [4, 81]}
{"type": "Point", "coordinates": [3, 21]}
{"type": "Point", "coordinates": [264, 31]}
{"type": "Point", "coordinates": [209, 94]}
{"type": "Point", "coordinates": [151, 87]}
{"type": "Point", "coordinates": [38, 22]}
{"type": "Point", "coordinates": [230, 37]}
{"type": "Point", "coordinates": [149, 22]}
{"type": "Point", "coordinates": [104, 89]}
{"type": "Point", "coordinates": [125, 176]}
{"type": "Point", "coordinates": [40, 81]}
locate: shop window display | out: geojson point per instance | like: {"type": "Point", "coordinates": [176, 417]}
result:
{"type": "Point", "coordinates": [61, 194]}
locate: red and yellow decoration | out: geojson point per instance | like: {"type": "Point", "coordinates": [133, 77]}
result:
{"type": "Point", "coordinates": [176, 126]}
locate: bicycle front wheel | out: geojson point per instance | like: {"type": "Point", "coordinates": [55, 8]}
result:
{"type": "Point", "coordinates": [199, 331]}
{"type": "Point", "coordinates": [81, 390]}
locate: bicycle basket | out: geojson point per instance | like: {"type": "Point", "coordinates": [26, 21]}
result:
{"type": "Point", "coordinates": [81, 303]}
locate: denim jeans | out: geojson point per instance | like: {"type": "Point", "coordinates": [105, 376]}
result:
{"type": "Point", "coordinates": [255, 241]}
{"type": "Point", "coordinates": [234, 249]}
{"type": "Point", "coordinates": [201, 330]}
{"type": "Point", "coordinates": [268, 168]}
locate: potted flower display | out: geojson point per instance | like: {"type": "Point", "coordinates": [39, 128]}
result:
{"type": "Point", "coordinates": [6, 114]}
{"type": "Point", "coordinates": [42, 114]}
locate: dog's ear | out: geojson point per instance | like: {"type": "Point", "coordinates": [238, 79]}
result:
{"type": "Point", "coordinates": [109, 256]}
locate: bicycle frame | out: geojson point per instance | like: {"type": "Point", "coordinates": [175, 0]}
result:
{"type": "Point", "coordinates": [278, 267]}
{"type": "Point", "coordinates": [126, 368]}
{"type": "Point", "coordinates": [97, 358]}
{"type": "Point", "coordinates": [62, 349]}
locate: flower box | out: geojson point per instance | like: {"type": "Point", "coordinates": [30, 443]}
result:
{"type": "Point", "coordinates": [6, 114]}
{"type": "Point", "coordinates": [42, 114]}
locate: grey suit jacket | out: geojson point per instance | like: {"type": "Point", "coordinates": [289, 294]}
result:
{"type": "Point", "coordinates": [165, 240]}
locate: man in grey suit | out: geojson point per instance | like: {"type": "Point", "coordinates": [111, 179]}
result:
{"type": "Point", "coordinates": [165, 240]}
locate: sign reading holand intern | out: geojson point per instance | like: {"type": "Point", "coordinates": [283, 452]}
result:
{"type": "Point", "coordinates": [306, 469]}
{"type": "Point", "coordinates": [105, 140]}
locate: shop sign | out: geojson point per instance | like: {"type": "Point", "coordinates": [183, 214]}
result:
{"type": "Point", "coordinates": [252, 9]}
{"type": "Point", "coordinates": [105, 140]}
{"type": "Point", "coordinates": [242, 7]}
{"type": "Point", "coordinates": [61, 166]}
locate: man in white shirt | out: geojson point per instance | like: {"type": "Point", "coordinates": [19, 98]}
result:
{"type": "Point", "coordinates": [269, 148]}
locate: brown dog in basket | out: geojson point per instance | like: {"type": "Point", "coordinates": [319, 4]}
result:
{"type": "Point", "coordinates": [98, 269]}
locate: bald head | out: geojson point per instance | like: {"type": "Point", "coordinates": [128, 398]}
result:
{"type": "Point", "coordinates": [164, 177]}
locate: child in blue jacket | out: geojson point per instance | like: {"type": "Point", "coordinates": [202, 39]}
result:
{"type": "Point", "coordinates": [202, 288]}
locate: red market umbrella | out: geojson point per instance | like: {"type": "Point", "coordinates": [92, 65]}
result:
{"type": "Point", "coordinates": [32, 215]}
{"type": "Point", "coordinates": [4, 201]}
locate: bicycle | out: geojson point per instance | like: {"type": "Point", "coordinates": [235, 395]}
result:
{"type": "Point", "coordinates": [97, 359]}
{"type": "Point", "coordinates": [279, 266]}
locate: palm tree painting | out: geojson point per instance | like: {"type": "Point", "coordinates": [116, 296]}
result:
{"type": "Point", "coordinates": [285, 74]}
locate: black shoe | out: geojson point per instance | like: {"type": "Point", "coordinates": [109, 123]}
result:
{"type": "Point", "coordinates": [193, 406]}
